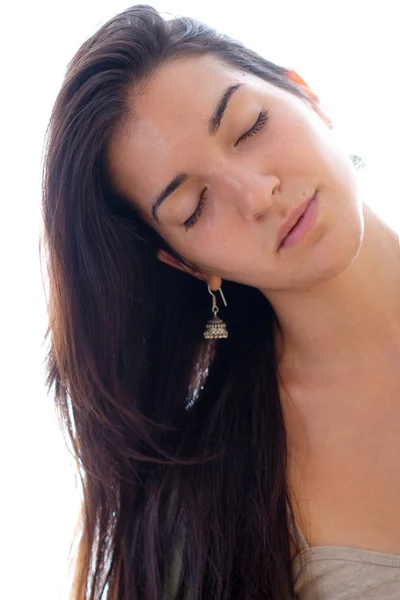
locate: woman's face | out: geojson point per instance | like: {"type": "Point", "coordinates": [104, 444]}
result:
{"type": "Point", "coordinates": [246, 187]}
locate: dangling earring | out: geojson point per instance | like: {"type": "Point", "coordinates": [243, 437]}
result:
{"type": "Point", "coordinates": [216, 328]}
{"type": "Point", "coordinates": [357, 161]}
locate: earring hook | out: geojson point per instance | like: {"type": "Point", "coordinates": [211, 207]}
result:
{"type": "Point", "coordinates": [220, 291]}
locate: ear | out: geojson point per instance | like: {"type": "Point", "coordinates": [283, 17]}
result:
{"type": "Point", "coordinates": [298, 80]}
{"type": "Point", "coordinates": [213, 281]}
{"type": "Point", "coordinates": [166, 258]}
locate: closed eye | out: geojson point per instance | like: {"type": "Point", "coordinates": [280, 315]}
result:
{"type": "Point", "coordinates": [258, 125]}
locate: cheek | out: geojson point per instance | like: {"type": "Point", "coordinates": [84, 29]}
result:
{"type": "Point", "coordinates": [208, 253]}
{"type": "Point", "coordinates": [297, 140]}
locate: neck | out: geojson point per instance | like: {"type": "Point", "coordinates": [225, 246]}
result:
{"type": "Point", "coordinates": [349, 321]}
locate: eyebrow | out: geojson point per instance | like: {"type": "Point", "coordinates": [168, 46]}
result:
{"type": "Point", "coordinates": [214, 124]}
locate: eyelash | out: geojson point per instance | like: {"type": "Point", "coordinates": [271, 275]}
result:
{"type": "Point", "coordinates": [258, 125]}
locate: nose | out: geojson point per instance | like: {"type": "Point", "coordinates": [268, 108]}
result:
{"type": "Point", "coordinates": [255, 196]}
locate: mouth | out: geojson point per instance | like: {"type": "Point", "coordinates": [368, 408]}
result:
{"type": "Point", "coordinates": [298, 224]}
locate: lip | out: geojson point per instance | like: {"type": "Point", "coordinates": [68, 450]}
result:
{"type": "Point", "coordinates": [292, 219]}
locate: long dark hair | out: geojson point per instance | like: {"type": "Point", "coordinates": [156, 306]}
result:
{"type": "Point", "coordinates": [179, 441]}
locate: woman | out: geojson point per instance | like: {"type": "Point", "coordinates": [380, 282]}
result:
{"type": "Point", "coordinates": [254, 456]}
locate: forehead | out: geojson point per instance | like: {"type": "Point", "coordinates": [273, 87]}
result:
{"type": "Point", "coordinates": [170, 119]}
{"type": "Point", "coordinates": [187, 86]}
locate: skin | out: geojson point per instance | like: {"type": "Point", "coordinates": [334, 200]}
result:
{"type": "Point", "coordinates": [336, 293]}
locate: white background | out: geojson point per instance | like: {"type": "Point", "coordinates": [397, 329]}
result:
{"type": "Point", "coordinates": [348, 52]}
